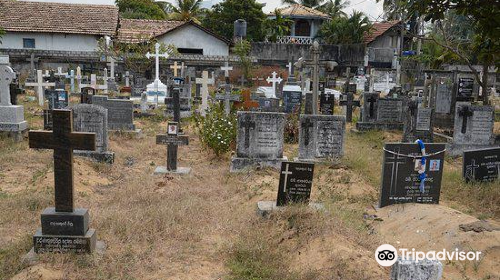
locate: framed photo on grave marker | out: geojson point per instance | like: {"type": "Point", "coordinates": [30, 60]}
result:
{"type": "Point", "coordinates": [482, 165]}
{"type": "Point", "coordinates": [173, 128]}
{"type": "Point", "coordinates": [295, 183]}
{"type": "Point", "coordinates": [400, 177]}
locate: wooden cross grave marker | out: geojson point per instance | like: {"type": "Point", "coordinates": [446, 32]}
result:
{"type": "Point", "coordinates": [172, 139]}
{"type": "Point", "coordinates": [349, 103]}
{"type": "Point", "coordinates": [63, 141]}
{"type": "Point", "coordinates": [247, 103]}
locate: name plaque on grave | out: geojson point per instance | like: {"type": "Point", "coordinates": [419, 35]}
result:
{"type": "Point", "coordinates": [295, 183]}
{"type": "Point", "coordinates": [443, 97]}
{"type": "Point", "coordinates": [481, 126]}
{"type": "Point", "coordinates": [481, 165]}
{"type": "Point", "coordinates": [266, 136]}
{"type": "Point", "coordinates": [465, 89]}
{"type": "Point", "coordinates": [330, 138]}
{"type": "Point", "coordinates": [292, 101]}
{"type": "Point", "coordinates": [389, 110]}
{"type": "Point", "coordinates": [424, 119]}
{"type": "Point", "coordinates": [400, 179]}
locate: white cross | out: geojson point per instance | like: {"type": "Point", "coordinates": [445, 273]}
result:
{"type": "Point", "coordinates": [289, 66]}
{"type": "Point", "coordinates": [60, 73]}
{"type": "Point", "coordinates": [286, 173]}
{"type": "Point", "coordinates": [175, 67]}
{"type": "Point", "coordinates": [46, 74]}
{"type": "Point", "coordinates": [204, 81]}
{"type": "Point", "coordinates": [40, 84]}
{"type": "Point", "coordinates": [127, 78]}
{"type": "Point", "coordinates": [157, 56]}
{"type": "Point", "coordinates": [226, 68]}
{"type": "Point", "coordinates": [275, 81]}
{"type": "Point", "coordinates": [79, 77]}
{"type": "Point", "coordinates": [71, 78]}
{"type": "Point", "coordinates": [7, 75]}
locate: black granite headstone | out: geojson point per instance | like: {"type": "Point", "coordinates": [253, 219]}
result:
{"type": "Point", "coordinates": [482, 165]}
{"type": "Point", "coordinates": [400, 179]}
{"type": "Point", "coordinates": [327, 103]}
{"type": "Point", "coordinates": [292, 101]}
{"type": "Point", "coordinates": [465, 89]}
{"type": "Point", "coordinates": [58, 99]}
{"type": "Point", "coordinates": [295, 183]}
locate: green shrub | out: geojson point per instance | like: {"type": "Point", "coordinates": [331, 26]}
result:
{"type": "Point", "coordinates": [217, 131]}
{"type": "Point", "coordinates": [292, 128]}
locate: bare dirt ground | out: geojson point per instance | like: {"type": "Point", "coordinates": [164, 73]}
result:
{"type": "Point", "coordinates": [204, 226]}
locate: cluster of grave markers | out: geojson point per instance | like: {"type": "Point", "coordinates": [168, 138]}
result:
{"type": "Point", "coordinates": [82, 129]}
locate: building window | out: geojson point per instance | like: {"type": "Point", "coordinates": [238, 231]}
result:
{"type": "Point", "coordinates": [302, 28]}
{"type": "Point", "coordinates": [190, 51]}
{"type": "Point", "coordinates": [28, 43]}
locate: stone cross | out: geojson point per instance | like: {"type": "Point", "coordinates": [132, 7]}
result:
{"type": "Point", "coordinates": [63, 141]}
{"type": "Point", "coordinates": [247, 124]}
{"type": "Point", "coordinates": [172, 139]}
{"type": "Point", "coordinates": [71, 78]}
{"type": "Point", "coordinates": [127, 78]}
{"type": "Point", "coordinates": [7, 75]}
{"type": "Point", "coordinates": [79, 77]}
{"type": "Point", "coordinates": [226, 68]}
{"type": "Point", "coordinates": [465, 113]}
{"type": "Point", "coordinates": [274, 80]}
{"type": "Point", "coordinates": [204, 81]}
{"type": "Point", "coordinates": [227, 97]}
{"type": "Point", "coordinates": [157, 56]}
{"type": "Point", "coordinates": [175, 67]}
{"type": "Point", "coordinates": [306, 128]}
{"type": "Point", "coordinates": [40, 85]}
{"type": "Point", "coordinates": [349, 103]}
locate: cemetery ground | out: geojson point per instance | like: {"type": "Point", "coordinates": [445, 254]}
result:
{"type": "Point", "coordinates": [205, 226]}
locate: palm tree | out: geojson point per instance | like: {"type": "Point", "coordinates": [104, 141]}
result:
{"type": "Point", "coordinates": [334, 8]}
{"type": "Point", "coordinates": [307, 3]}
{"type": "Point", "coordinates": [349, 30]}
{"type": "Point", "coordinates": [277, 27]}
{"type": "Point", "coordinates": [185, 10]}
{"type": "Point", "coordinates": [393, 9]}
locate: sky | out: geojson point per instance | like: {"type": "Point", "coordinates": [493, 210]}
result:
{"type": "Point", "coordinates": [369, 7]}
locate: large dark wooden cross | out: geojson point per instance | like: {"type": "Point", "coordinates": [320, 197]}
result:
{"type": "Point", "coordinates": [63, 141]}
{"type": "Point", "coordinates": [247, 124]}
{"type": "Point", "coordinates": [465, 112]}
{"type": "Point", "coordinates": [172, 140]}
{"type": "Point", "coordinates": [349, 103]}
{"type": "Point", "coordinates": [306, 126]}
{"type": "Point", "coordinates": [372, 101]}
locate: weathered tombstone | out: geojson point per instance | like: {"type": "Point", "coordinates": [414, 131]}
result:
{"type": "Point", "coordinates": [11, 116]}
{"type": "Point", "coordinates": [442, 99]}
{"type": "Point", "coordinates": [93, 118]}
{"type": "Point", "coordinates": [369, 109]}
{"type": "Point", "coordinates": [418, 123]}
{"type": "Point", "coordinates": [120, 112]}
{"type": "Point", "coordinates": [349, 102]}
{"type": "Point", "coordinates": [259, 141]}
{"type": "Point", "coordinates": [269, 104]}
{"type": "Point", "coordinates": [172, 139]}
{"type": "Point", "coordinates": [482, 165]}
{"type": "Point", "coordinates": [321, 137]}
{"type": "Point", "coordinates": [64, 228]}
{"type": "Point", "coordinates": [86, 95]}
{"type": "Point", "coordinates": [292, 99]}
{"type": "Point", "coordinates": [381, 113]}
{"type": "Point", "coordinates": [401, 181]}
{"type": "Point", "coordinates": [327, 104]}
{"type": "Point", "coordinates": [408, 269]}
{"type": "Point", "coordinates": [473, 128]}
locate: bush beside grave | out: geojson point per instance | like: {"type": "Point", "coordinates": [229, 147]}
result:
{"type": "Point", "coordinates": [292, 128]}
{"type": "Point", "coordinates": [217, 131]}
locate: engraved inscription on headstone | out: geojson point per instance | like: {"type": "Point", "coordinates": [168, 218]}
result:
{"type": "Point", "coordinates": [400, 179]}
{"type": "Point", "coordinates": [481, 165]}
{"type": "Point", "coordinates": [424, 116]}
{"type": "Point", "coordinates": [295, 183]}
{"type": "Point", "coordinates": [120, 112]}
{"type": "Point", "coordinates": [473, 124]}
{"type": "Point", "coordinates": [389, 110]}
{"type": "Point", "coordinates": [321, 137]}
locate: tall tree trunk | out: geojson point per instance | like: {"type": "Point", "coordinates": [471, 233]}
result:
{"type": "Point", "coordinates": [484, 84]}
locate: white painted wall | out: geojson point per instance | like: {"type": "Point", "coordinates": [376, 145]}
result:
{"type": "Point", "coordinates": [192, 37]}
{"type": "Point", "coordinates": [51, 41]}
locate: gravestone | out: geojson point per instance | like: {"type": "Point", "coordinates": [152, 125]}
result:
{"type": "Point", "coordinates": [473, 128]}
{"type": "Point", "coordinates": [204, 81]}
{"type": "Point", "coordinates": [93, 118]}
{"type": "Point", "coordinates": [11, 116]}
{"type": "Point", "coordinates": [40, 85]}
{"type": "Point", "coordinates": [172, 139]}
{"type": "Point", "coordinates": [57, 99]}
{"type": "Point", "coordinates": [120, 112]}
{"type": "Point", "coordinates": [292, 99]}
{"type": "Point", "coordinates": [442, 99]}
{"type": "Point", "coordinates": [409, 269]}
{"type": "Point", "coordinates": [349, 103]}
{"type": "Point", "coordinates": [259, 141]}
{"type": "Point", "coordinates": [321, 137]}
{"type": "Point", "coordinates": [64, 228]}
{"type": "Point", "coordinates": [269, 104]}
{"type": "Point", "coordinates": [465, 89]}
{"type": "Point", "coordinates": [178, 89]}
{"type": "Point", "coordinates": [295, 183]}
{"type": "Point", "coordinates": [381, 113]}
{"type": "Point", "coordinates": [227, 98]}
{"type": "Point", "coordinates": [418, 123]}
{"type": "Point", "coordinates": [86, 95]}
{"type": "Point", "coordinates": [400, 179]}
{"type": "Point", "coordinates": [482, 165]}
{"type": "Point", "coordinates": [327, 104]}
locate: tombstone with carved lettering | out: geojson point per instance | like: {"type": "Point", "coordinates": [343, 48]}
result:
{"type": "Point", "coordinates": [381, 113]}
{"type": "Point", "coordinates": [321, 138]}
{"type": "Point", "coordinates": [327, 104]}
{"type": "Point", "coordinates": [12, 120]}
{"type": "Point", "coordinates": [292, 98]}
{"type": "Point", "coordinates": [65, 229]}
{"type": "Point", "coordinates": [473, 128]}
{"type": "Point", "coordinates": [120, 113]}
{"type": "Point", "coordinates": [418, 123]}
{"type": "Point", "coordinates": [405, 179]}
{"type": "Point", "coordinates": [260, 140]}
{"type": "Point", "coordinates": [93, 118]}
{"type": "Point", "coordinates": [482, 165]}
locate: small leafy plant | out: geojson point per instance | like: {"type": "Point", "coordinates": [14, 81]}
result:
{"type": "Point", "coordinates": [217, 131]}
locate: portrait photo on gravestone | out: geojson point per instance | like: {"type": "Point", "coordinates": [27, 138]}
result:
{"type": "Point", "coordinates": [249, 139]}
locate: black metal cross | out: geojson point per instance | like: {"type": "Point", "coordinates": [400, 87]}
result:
{"type": "Point", "coordinates": [247, 124]}
{"type": "Point", "coordinates": [465, 112]}
{"type": "Point", "coordinates": [306, 126]}
{"type": "Point", "coordinates": [372, 101]}
{"type": "Point", "coordinates": [349, 103]}
{"type": "Point", "coordinates": [172, 141]}
{"type": "Point", "coordinates": [63, 141]}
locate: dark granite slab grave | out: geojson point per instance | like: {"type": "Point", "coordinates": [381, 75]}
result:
{"type": "Point", "coordinates": [327, 104]}
{"type": "Point", "coordinates": [400, 180]}
{"type": "Point", "coordinates": [482, 165]}
{"type": "Point", "coordinates": [64, 243]}
{"type": "Point", "coordinates": [65, 223]}
{"type": "Point", "coordinates": [292, 100]}
{"type": "Point", "coordinates": [57, 99]}
{"type": "Point", "coordinates": [295, 183]}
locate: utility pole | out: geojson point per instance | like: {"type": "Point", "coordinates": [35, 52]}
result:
{"type": "Point", "coordinates": [315, 52]}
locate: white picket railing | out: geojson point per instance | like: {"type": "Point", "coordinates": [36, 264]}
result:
{"type": "Point", "coordinates": [300, 40]}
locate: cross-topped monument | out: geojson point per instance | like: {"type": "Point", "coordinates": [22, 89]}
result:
{"type": "Point", "coordinates": [204, 81]}
{"type": "Point", "coordinates": [275, 81]}
{"type": "Point", "coordinates": [7, 75]}
{"type": "Point", "coordinates": [247, 103]}
{"type": "Point", "coordinates": [349, 103]}
{"type": "Point", "coordinates": [175, 67]}
{"type": "Point", "coordinates": [172, 139]}
{"type": "Point", "coordinates": [40, 85]}
{"type": "Point", "coordinates": [465, 112]}
{"type": "Point", "coordinates": [226, 68]}
{"type": "Point", "coordinates": [227, 97]}
{"type": "Point", "coordinates": [63, 141]}
{"type": "Point", "coordinates": [157, 55]}
{"type": "Point", "coordinates": [372, 100]}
